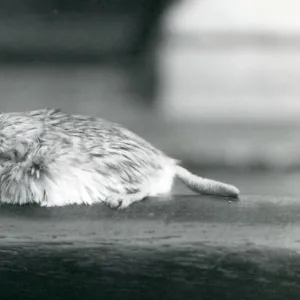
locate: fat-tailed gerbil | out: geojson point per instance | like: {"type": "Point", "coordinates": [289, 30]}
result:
{"type": "Point", "coordinates": [54, 159]}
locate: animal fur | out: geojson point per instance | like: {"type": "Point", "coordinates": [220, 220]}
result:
{"type": "Point", "coordinates": [54, 159]}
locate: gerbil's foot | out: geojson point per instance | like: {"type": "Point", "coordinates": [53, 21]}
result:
{"type": "Point", "coordinates": [35, 171]}
{"type": "Point", "coordinates": [123, 201]}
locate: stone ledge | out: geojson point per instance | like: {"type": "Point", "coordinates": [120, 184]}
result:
{"type": "Point", "coordinates": [177, 222]}
{"type": "Point", "coordinates": [180, 249]}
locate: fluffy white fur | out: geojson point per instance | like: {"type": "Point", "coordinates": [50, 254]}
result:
{"type": "Point", "coordinates": [55, 159]}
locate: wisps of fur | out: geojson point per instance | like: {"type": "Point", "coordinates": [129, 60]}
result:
{"type": "Point", "coordinates": [55, 159]}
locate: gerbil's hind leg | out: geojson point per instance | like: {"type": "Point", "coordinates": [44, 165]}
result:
{"type": "Point", "coordinates": [123, 201]}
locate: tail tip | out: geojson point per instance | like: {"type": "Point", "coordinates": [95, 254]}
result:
{"type": "Point", "coordinates": [233, 192]}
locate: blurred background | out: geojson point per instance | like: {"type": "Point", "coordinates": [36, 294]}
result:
{"type": "Point", "coordinates": [214, 83]}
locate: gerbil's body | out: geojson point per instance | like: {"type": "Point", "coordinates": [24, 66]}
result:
{"type": "Point", "coordinates": [55, 159]}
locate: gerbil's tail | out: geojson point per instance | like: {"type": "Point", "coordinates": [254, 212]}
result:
{"type": "Point", "coordinates": [205, 186]}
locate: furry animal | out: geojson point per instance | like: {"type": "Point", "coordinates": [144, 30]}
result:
{"type": "Point", "coordinates": [54, 159]}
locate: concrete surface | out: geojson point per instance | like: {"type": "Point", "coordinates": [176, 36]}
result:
{"type": "Point", "coordinates": [178, 221]}
{"type": "Point", "coordinates": [194, 247]}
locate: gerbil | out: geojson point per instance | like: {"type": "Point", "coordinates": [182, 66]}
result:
{"type": "Point", "coordinates": [54, 159]}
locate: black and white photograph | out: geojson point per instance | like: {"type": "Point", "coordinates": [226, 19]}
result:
{"type": "Point", "coordinates": [149, 149]}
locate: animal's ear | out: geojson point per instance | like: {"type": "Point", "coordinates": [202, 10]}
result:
{"type": "Point", "coordinates": [15, 153]}
{"type": "Point", "coordinates": [21, 150]}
